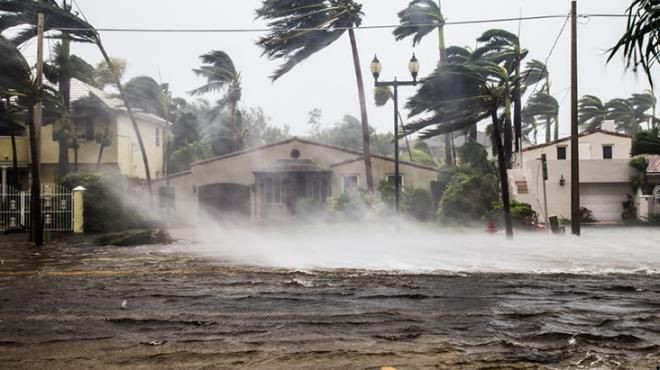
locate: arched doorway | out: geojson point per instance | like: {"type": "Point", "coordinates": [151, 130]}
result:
{"type": "Point", "coordinates": [224, 200]}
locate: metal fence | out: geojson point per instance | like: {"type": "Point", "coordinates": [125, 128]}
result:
{"type": "Point", "coordinates": [56, 208]}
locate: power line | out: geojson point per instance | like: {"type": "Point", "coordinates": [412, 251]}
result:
{"type": "Point", "coordinates": [385, 26]}
{"type": "Point", "coordinates": [552, 49]}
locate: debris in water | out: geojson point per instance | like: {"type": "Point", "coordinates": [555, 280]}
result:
{"type": "Point", "coordinates": [154, 343]}
{"type": "Point", "coordinates": [572, 341]}
{"type": "Point", "coordinates": [123, 304]}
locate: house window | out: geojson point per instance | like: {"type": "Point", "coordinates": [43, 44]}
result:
{"type": "Point", "coordinates": [84, 128]}
{"type": "Point", "coordinates": [317, 188]}
{"type": "Point", "coordinates": [349, 183]}
{"type": "Point", "coordinates": [390, 179]}
{"type": "Point", "coordinates": [607, 151]}
{"type": "Point", "coordinates": [157, 136]}
{"type": "Point", "coordinates": [561, 152]}
{"type": "Point", "coordinates": [272, 189]}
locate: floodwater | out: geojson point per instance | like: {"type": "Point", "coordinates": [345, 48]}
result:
{"type": "Point", "coordinates": [270, 303]}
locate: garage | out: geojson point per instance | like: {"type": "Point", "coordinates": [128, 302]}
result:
{"type": "Point", "coordinates": [604, 200]}
{"type": "Point", "coordinates": [228, 201]}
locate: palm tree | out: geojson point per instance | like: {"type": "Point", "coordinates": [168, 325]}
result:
{"type": "Point", "coordinates": [221, 75]}
{"type": "Point", "coordinates": [458, 96]}
{"type": "Point", "coordinates": [640, 43]}
{"type": "Point", "coordinates": [17, 80]}
{"type": "Point", "coordinates": [544, 105]}
{"type": "Point", "coordinates": [24, 13]}
{"type": "Point", "coordinates": [537, 72]}
{"type": "Point", "coordinates": [645, 102]}
{"type": "Point", "coordinates": [419, 19]}
{"type": "Point", "coordinates": [330, 19]}
{"type": "Point", "coordinates": [63, 68]}
{"type": "Point", "coordinates": [592, 112]}
{"type": "Point", "coordinates": [503, 47]}
{"type": "Point", "coordinates": [624, 115]}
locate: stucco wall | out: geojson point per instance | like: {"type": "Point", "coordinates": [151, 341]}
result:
{"type": "Point", "coordinates": [129, 155]}
{"type": "Point", "coordinates": [185, 201]}
{"type": "Point", "coordinates": [621, 147]}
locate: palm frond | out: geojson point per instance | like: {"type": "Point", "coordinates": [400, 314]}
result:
{"type": "Point", "coordinates": [420, 18]}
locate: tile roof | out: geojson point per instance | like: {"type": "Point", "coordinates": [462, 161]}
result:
{"type": "Point", "coordinates": [654, 163]}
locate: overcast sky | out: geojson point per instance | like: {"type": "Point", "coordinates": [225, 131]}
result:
{"type": "Point", "coordinates": [327, 79]}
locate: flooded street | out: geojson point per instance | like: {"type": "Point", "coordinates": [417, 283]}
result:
{"type": "Point", "coordinates": [81, 306]}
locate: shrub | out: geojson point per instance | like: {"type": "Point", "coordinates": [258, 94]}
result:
{"type": "Point", "coordinates": [468, 198]}
{"type": "Point", "coordinates": [103, 208]}
{"type": "Point", "coordinates": [586, 215]}
{"type": "Point", "coordinates": [418, 203]}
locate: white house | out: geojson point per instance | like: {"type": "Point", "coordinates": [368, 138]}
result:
{"type": "Point", "coordinates": [604, 176]}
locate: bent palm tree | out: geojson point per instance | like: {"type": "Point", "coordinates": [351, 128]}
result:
{"type": "Point", "coordinates": [592, 112]}
{"type": "Point", "coordinates": [624, 115]}
{"type": "Point", "coordinates": [645, 102]}
{"type": "Point", "coordinates": [536, 72]}
{"type": "Point", "coordinates": [544, 105]}
{"type": "Point", "coordinates": [24, 13]}
{"type": "Point", "coordinates": [419, 19]}
{"type": "Point", "coordinates": [221, 75]}
{"type": "Point", "coordinates": [458, 96]}
{"type": "Point", "coordinates": [503, 48]}
{"type": "Point", "coordinates": [330, 19]}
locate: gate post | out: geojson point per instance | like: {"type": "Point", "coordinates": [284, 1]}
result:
{"type": "Point", "coordinates": [77, 214]}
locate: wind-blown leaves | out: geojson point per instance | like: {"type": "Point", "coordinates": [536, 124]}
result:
{"type": "Point", "coordinates": [640, 43]}
{"type": "Point", "coordinates": [15, 73]}
{"type": "Point", "coordinates": [420, 18]}
{"type": "Point", "coordinates": [145, 93]}
{"type": "Point", "coordinates": [220, 73]}
{"type": "Point", "coordinates": [592, 112]}
{"type": "Point", "coordinates": [23, 13]}
{"type": "Point", "coordinates": [290, 21]}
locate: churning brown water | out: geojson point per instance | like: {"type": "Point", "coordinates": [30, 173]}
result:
{"type": "Point", "coordinates": [61, 307]}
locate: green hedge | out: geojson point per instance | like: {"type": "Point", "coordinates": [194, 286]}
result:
{"type": "Point", "coordinates": [104, 210]}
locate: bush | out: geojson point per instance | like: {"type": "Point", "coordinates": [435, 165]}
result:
{"type": "Point", "coordinates": [418, 203]}
{"type": "Point", "coordinates": [468, 198]}
{"type": "Point", "coordinates": [104, 210]}
{"type": "Point", "coordinates": [586, 215]}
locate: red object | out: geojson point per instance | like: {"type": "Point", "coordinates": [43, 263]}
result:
{"type": "Point", "coordinates": [491, 227]}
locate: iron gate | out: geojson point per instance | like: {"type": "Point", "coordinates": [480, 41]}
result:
{"type": "Point", "coordinates": [56, 208]}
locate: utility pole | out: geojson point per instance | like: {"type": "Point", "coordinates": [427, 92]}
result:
{"type": "Point", "coordinates": [544, 169]}
{"type": "Point", "coordinates": [575, 155]}
{"type": "Point", "coordinates": [37, 227]}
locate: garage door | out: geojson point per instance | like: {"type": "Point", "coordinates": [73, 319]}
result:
{"type": "Point", "coordinates": [604, 200]}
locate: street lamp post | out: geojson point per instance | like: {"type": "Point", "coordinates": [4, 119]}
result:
{"type": "Point", "coordinates": [413, 68]}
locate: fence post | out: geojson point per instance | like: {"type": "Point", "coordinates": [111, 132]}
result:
{"type": "Point", "coordinates": [78, 217]}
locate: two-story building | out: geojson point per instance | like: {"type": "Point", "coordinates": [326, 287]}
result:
{"type": "Point", "coordinates": [122, 155]}
{"type": "Point", "coordinates": [605, 174]}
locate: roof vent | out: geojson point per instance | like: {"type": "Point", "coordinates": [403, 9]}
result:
{"type": "Point", "coordinates": [295, 154]}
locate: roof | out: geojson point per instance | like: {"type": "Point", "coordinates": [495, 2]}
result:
{"type": "Point", "coordinates": [292, 165]}
{"type": "Point", "coordinates": [310, 142]}
{"type": "Point", "coordinates": [80, 90]}
{"type": "Point", "coordinates": [581, 134]}
{"type": "Point", "coordinates": [653, 163]}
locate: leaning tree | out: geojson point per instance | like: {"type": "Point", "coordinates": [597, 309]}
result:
{"type": "Point", "coordinates": [301, 28]}
{"type": "Point", "coordinates": [456, 96]}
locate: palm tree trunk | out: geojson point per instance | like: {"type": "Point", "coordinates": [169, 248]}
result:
{"type": "Point", "coordinates": [143, 151]}
{"type": "Point", "coordinates": [37, 230]}
{"type": "Point", "coordinates": [504, 180]}
{"type": "Point", "coordinates": [517, 112]}
{"type": "Point", "coordinates": [363, 111]}
{"type": "Point", "coordinates": [441, 40]}
{"type": "Point", "coordinates": [103, 140]}
{"type": "Point", "coordinates": [548, 129]}
{"type": "Point", "coordinates": [556, 127]}
{"type": "Point", "coordinates": [405, 136]}
{"type": "Point", "coordinates": [508, 131]}
{"type": "Point", "coordinates": [448, 152]}
{"type": "Point", "coordinates": [75, 158]}
{"type": "Point", "coordinates": [64, 90]}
